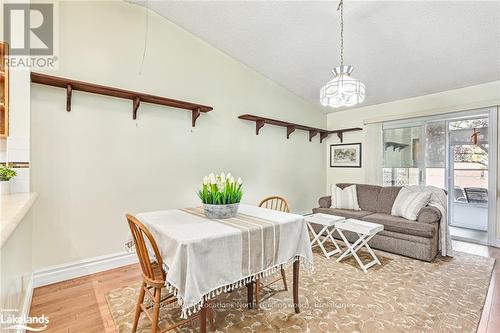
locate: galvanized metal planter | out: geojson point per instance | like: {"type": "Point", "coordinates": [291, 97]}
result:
{"type": "Point", "coordinates": [220, 211]}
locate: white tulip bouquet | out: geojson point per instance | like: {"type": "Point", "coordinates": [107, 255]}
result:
{"type": "Point", "coordinates": [221, 190]}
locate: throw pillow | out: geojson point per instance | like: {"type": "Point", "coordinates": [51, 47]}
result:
{"type": "Point", "coordinates": [346, 198]}
{"type": "Point", "coordinates": [409, 203]}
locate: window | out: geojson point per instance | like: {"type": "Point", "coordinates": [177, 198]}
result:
{"type": "Point", "coordinates": [402, 154]}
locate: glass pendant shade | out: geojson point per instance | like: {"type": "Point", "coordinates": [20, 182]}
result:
{"type": "Point", "coordinates": [343, 90]}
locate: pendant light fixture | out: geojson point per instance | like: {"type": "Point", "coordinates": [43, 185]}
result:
{"type": "Point", "coordinates": [343, 90]}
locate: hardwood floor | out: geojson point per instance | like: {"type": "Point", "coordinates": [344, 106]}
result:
{"type": "Point", "coordinates": [78, 305]}
{"type": "Point", "coordinates": [490, 320]}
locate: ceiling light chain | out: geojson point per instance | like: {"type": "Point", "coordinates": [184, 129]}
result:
{"type": "Point", "coordinates": [341, 8]}
{"type": "Point", "coordinates": [343, 90]}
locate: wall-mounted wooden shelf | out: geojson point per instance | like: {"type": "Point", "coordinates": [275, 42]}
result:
{"type": "Point", "coordinates": [135, 97]}
{"type": "Point", "coordinates": [4, 90]}
{"type": "Point", "coordinates": [291, 127]}
{"type": "Point", "coordinates": [395, 145]}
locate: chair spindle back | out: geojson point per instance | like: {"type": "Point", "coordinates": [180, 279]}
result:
{"type": "Point", "coordinates": [141, 236]}
{"type": "Point", "coordinates": [275, 203]}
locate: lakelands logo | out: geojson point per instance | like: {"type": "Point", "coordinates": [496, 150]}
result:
{"type": "Point", "coordinates": [29, 29]}
{"type": "Point", "coordinates": [9, 320]}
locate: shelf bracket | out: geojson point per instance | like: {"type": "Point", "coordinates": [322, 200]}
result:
{"type": "Point", "coordinates": [323, 136]}
{"type": "Point", "coordinates": [312, 134]}
{"type": "Point", "coordinates": [135, 106]}
{"type": "Point", "coordinates": [258, 125]}
{"type": "Point", "coordinates": [289, 130]}
{"type": "Point", "coordinates": [194, 115]}
{"type": "Point", "coordinates": [341, 136]}
{"type": "Point", "coordinates": [69, 91]}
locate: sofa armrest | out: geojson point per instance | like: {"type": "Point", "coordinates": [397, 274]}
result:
{"type": "Point", "coordinates": [429, 214]}
{"type": "Point", "coordinates": [325, 202]}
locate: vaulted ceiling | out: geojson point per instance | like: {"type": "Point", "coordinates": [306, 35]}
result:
{"type": "Point", "coordinates": [399, 49]}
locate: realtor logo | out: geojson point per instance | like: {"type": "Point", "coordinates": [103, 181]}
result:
{"type": "Point", "coordinates": [29, 28]}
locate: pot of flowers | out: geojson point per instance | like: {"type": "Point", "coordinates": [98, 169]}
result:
{"type": "Point", "coordinates": [221, 196]}
{"type": "Point", "coordinates": [6, 174]}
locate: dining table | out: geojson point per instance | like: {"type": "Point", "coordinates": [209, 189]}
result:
{"type": "Point", "coordinates": [205, 257]}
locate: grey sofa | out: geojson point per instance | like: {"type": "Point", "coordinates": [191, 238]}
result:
{"type": "Point", "coordinates": [415, 239]}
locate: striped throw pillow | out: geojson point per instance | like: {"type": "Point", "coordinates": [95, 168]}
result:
{"type": "Point", "coordinates": [346, 198]}
{"type": "Point", "coordinates": [409, 203]}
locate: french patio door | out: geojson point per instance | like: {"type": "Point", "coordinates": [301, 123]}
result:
{"type": "Point", "coordinates": [442, 152]}
{"type": "Point", "coordinates": [468, 172]}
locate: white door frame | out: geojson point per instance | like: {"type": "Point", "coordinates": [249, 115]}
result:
{"type": "Point", "coordinates": [491, 113]}
{"type": "Point", "coordinates": [492, 177]}
{"type": "Point", "coordinates": [450, 164]}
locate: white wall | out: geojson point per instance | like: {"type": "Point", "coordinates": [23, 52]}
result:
{"type": "Point", "coordinates": [94, 164]}
{"type": "Point", "coordinates": [448, 101]}
{"type": "Point", "coordinates": [18, 141]}
{"type": "Point", "coordinates": [16, 148]}
{"type": "Point", "coordinates": [16, 268]}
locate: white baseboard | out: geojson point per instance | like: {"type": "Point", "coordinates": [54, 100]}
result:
{"type": "Point", "coordinates": [27, 302]}
{"type": "Point", "coordinates": [495, 243]}
{"type": "Point", "coordinates": [84, 267]}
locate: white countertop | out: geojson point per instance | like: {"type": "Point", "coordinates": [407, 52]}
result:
{"type": "Point", "coordinates": [13, 208]}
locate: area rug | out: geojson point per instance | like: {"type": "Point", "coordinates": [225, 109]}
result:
{"type": "Point", "coordinates": [401, 295]}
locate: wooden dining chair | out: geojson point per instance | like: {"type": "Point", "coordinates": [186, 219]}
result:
{"type": "Point", "coordinates": [275, 203]}
{"type": "Point", "coordinates": [280, 204]}
{"type": "Point", "coordinates": [153, 281]}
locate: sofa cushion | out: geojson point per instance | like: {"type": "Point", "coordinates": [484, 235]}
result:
{"type": "Point", "coordinates": [345, 198]}
{"type": "Point", "coordinates": [368, 197]}
{"type": "Point", "coordinates": [402, 225]}
{"type": "Point", "coordinates": [407, 245]}
{"type": "Point", "coordinates": [386, 198]}
{"type": "Point", "coordinates": [375, 198]}
{"type": "Point", "coordinates": [409, 203]}
{"type": "Point", "coordinates": [353, 214]}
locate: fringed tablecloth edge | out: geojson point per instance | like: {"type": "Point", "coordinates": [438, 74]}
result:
{"type": "Point", "coordinates": [189, 309]}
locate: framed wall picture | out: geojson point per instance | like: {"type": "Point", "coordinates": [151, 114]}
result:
{"type": "Point", "coordinates": [345, 155]}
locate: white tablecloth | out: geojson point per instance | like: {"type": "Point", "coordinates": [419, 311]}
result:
{"type": "Point", "coordinates": [204, 258]}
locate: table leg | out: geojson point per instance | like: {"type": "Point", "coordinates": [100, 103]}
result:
{"type": "Point", "coordinates": [330, 235]}
{"type": "Point", "coordinates": [316, 236]}
{"type": "Point", "coordinates": [350, 246]}
{"type": "Point", "coordinates": [365, 243]}
{"type": "Point", "coordinates": [210, 314]}
{"type": "Point", "coordinates": [257, 293]}
{"type": "Point", "coordinates": [352, 250]}
{"type": "Point", "coordinates": [319, 242]}
{"type": "Point", "coordinates": [296, 266]}
{"type": "Point", "coordinates": [250, 295]}
{"type": "Point", "coordinates": [203, 319]}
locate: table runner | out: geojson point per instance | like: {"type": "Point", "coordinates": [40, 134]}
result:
{"type": "Point", "coordinates": [204, 257]}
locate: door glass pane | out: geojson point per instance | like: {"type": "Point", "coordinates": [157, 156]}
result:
{"type": "Point", "coordinates": [435, 154]}
{"type": "Point", "coordinates": [469, 173]}
{"type": "Point", "coordinates": [402, 154]}
{"type": "Point", "coordinates": [470, 160]}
